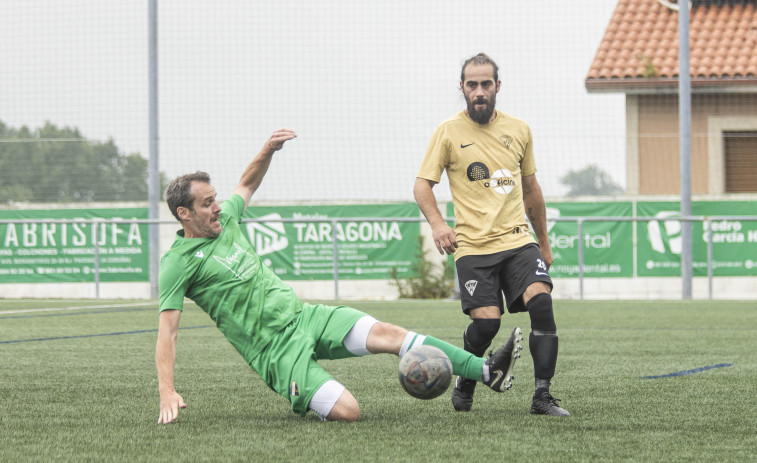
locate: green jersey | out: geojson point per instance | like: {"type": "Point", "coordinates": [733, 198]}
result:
{"type": "Point", "coordinates": [225, 277]}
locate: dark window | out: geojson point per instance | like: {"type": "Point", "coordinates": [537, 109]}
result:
{"type": "Point", "coordinates": [740, 162]}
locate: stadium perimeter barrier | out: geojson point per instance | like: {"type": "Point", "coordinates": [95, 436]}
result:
{"type": "Point", "coordinates": [96, 224]}
{"type": "Point", "coordinates": [706, 221]}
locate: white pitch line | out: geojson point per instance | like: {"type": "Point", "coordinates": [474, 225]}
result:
{"type": "Point", "coordinates": [86, 307]}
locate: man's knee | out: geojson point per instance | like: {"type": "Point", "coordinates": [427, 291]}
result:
{"type": "Point", "coordinates": [334, 402]}
{"type": "Point", "coordinates": [486, 328]}
{"type": "Point", "coordinates": [541, 313]}
{"type": "Point", "coordinates": [490, 311]}
{"type": "Point", "coordinates": [479, 334]}
{"type": "Point", "coordinates": [388, 331]}
{"type": "Point", "coordinates": [385, 338]}
{"type": "Point", "coordinates": [534, 289]}
{"type": "Point", "coordinates": [345, 409]}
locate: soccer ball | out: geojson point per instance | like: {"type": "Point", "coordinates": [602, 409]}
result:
{"type": "Point", "coordinates": [425, 372]}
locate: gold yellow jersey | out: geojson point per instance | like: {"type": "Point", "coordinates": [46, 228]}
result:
{"type": "Point", "coordinates": [484, 164]}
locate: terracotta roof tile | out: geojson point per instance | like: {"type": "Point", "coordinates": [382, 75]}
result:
{"type": "Point", "coordinates": [641, 42]}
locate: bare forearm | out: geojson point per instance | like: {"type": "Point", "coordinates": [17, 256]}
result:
{"type": "Point", "coordinates": [536, 211]}
{"type": "Point", "coordinates": [537, 215]}
{"type": "Point", "coordinates": [253, 174]}
{"type": "Point", "coordinates": [165, 358]}
{"type": "Point", "coordinates": [426, 200]}
{"type": "Point", "coordinates": [443, 235]}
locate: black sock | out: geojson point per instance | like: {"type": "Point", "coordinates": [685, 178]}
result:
{"type": "Point", "coordinates": [479, 334]}
{"type": "Point", "coordinates": [544, 353]}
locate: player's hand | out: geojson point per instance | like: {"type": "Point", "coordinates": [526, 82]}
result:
{"type": "Point", "coordinates": [444, 239]}
{"type": "Point", "coordinates": [170, 403]}
{"type": "Point", "coordinates": [276, 142]}
{"type": "Point", "coordinates": [546, 254]}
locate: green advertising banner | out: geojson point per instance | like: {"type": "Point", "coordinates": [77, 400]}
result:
{"type": "Point", "coordinates": [64, 252]}
{"type": "Point", "coordinates": [607, 245]}
{"type": "Point", "coordinates": [734, 242]}
{"type": "Point", "coordinates": [367, 249]}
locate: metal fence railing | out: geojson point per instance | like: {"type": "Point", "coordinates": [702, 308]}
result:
{"type": "Point", "coordinates": [705, 220]}
{"type": "Point", "coordinates": [95, 225]}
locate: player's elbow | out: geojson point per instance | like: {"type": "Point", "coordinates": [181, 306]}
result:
{"type": "Point", "coordinates": [421, 189]}
{"type": "Point", "coordinates": [530, 185]}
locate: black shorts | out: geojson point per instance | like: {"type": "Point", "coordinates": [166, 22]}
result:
{"type": "Point", "coordinates": [488, 279]}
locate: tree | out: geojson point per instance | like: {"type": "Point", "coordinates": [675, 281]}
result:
{"type": "Point", "coordinates": [591, 180]}
{"type": "Point", "coordinates": [53, 164]}
{"type": "Point", "coordinates": [429, 281]}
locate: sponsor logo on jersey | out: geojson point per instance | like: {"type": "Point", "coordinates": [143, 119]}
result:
{"type": "Point", "coordinates": [502, 182]}
{"type": "Point", "coordinates": [199, 254]}
{"type": "Point", "coordinates": [241, 263]}
{"type": "Point", "coordinates": [470, 285]}
{"type": "Point", "coordinates": [477, 171]}
{"type": "Point", "coordinates": [467, 145]}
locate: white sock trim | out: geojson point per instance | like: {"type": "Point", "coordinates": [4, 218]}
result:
{"type": "Point", "coordinates": [412, 339]}
{"type": "Point", "coordinates": [326, 397]}
{"type": "Point", "coordinates": [407, 342]}
{"type": "Point", "coordinates": [357, 339]}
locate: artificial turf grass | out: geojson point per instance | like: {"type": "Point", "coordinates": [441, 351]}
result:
{"type": "Point", "coordinates": [96, 398]}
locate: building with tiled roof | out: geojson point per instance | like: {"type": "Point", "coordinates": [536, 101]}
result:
{"type": "Point", "coordinates": [638, 56]}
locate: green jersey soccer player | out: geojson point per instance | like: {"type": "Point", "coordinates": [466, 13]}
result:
{"type": "Point", "coordinates": [280, 337]}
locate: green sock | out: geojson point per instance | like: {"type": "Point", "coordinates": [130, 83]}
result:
{"type": "Point", "coordinates": [464, 363]}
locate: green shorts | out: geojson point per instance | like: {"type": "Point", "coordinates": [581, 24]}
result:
{"type": "Point", "coordinates": [288, 364]}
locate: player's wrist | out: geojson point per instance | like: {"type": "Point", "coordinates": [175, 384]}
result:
{"type": "Point", "coordinates": [437, 223]}
{"type": "Point", "coordinates": [166, 390]}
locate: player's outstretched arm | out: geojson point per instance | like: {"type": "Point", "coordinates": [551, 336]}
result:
{"type": "Point", "coordinates": [165, 356]}
{"type": "Point", "coordinates": [256, 170]}
{"type": "Point", "coordinates": [533, 200]}
{"type": "Point", "coordinates": [444, 236]}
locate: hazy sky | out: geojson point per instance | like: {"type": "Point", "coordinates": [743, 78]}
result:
{"type": "Point", "coordinates": [363, 84]}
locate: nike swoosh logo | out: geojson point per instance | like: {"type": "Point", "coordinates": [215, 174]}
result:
{"type": "Point", "coordinates": [497, 376]}
{"type": "Point", "coordinates": [541, 273]}
{"type": "Point", "coordinates": [465, 146]}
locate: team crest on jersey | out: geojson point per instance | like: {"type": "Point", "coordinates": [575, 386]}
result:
{"type": "Point", "coordinates": [506, 139]}
{"type": "Point", "coordinates": [294, 391]}
{"type": "Point", "coordinates": [470, 285]}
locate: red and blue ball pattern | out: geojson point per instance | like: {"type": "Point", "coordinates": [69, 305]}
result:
{"type": "Point", "coordinates": [425, 372]}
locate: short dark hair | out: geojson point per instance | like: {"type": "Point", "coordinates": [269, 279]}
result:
{"type": "Point", "coordinates": [478, 60]}
{"type": "Point", "coordinates": [179, 191]}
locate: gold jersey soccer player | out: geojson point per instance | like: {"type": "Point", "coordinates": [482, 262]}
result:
{"type": "Point", "coordinates": [489, 159]}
